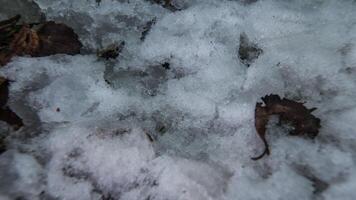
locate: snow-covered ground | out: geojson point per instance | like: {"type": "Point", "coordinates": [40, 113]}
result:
{"type": "Point", "coordinates": [133, 130]}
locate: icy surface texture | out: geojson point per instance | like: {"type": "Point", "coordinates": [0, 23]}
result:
{"type": "Point", "coordinates": [140, 128]}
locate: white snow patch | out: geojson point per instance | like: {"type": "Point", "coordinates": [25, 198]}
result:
{"type": "Point", "coordinates": [131, 129]}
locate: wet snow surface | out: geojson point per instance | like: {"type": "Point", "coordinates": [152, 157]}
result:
{"type": "Point", "coordinates": [132, 129]}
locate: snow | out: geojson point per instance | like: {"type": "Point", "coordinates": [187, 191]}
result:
{"type": "Point", "coordinates": [20, 174]}
{"type": "Point", "coordinates": [89, 123]}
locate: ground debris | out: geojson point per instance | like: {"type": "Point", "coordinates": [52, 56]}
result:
{"type": "Point", "coordinates": [168, 4]}
{"type": "Point", "coordinates": [248, 51]}
{"type": "Point", "coordinates": [146, 28]}
{"type": "Point", "coordinates": [297, 114]}
{"type": "Point", "coordinates": [6, 114]}
{"type": "Point", "coordinates": [319, 185]}
{"type": "Point", "coordinates": [36, 39]}
{"type": "Point", "coordinates": [4, 91]}
{"type": "Point", "coordinates": [112, 51]}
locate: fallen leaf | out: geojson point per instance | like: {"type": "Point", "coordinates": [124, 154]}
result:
{"type": "Point", "coordinates": [57, 38]}
{"type": "Point", "coordinates": [25, 42]}
{"type": "Point", "coordinates": [48, 38]}
{"type": "Point", "coordinates": [8, 29]}
{"type": "Point", "coordinates": [296, 113]}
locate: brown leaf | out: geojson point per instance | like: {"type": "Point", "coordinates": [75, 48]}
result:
{"type": "Point", "coordinates": [8, 29]}
{"type": "Point", "coordinates": [50, 38]}
{"type": "Point", "coordinates": [57, 38]}
{"type": "Point", "coordinates": [289, 111]}
{"type": "Point", "coordinates": [25, 42]}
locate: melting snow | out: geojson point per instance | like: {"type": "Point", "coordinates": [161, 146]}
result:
{"type": "Point", "coordinates": [132, 129]}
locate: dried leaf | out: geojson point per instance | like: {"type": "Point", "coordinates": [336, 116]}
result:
{"type": "Point", "coordinates": [289, 111]}
{"type": "Point", "coordinates": [25, 42]}
{"type": "Point", "coordinates": [8, 29]}
{"type": "Point", "coordinates": [50, 38]}
{"type": "Point", "coordinates": [57, 38]}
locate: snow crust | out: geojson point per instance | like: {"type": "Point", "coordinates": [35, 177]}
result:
{"type": "Point", "coordinates": [103, 130]}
